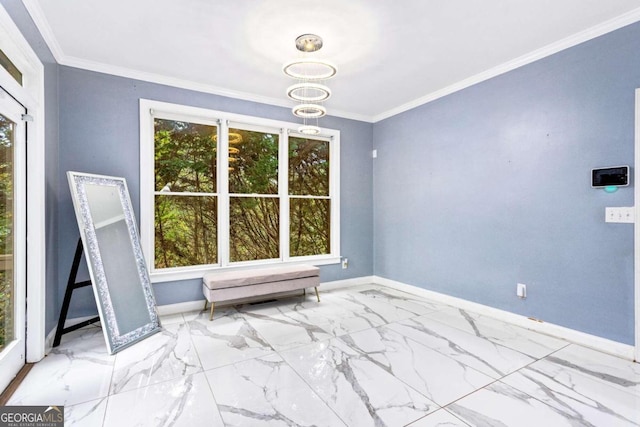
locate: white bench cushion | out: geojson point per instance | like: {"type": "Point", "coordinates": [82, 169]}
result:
{"type": "Point", "coordinates": [259, 289]}
{"type": "Point", "coordinates": [232, 279]}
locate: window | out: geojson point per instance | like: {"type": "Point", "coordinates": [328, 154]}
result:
{"type": "Point", "coordinates": [220, 190]}
{"type": "Point", "coordinates": [185, 198]}
{"type": "Point", "coordinates": [254, 203]}
{"type": "Point", "coordinates": [309, 199]}
{"type": "Point", "coordinates": [13, 71]}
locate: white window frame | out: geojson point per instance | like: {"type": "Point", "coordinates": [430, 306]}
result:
{"type": "Point", "coordinates": [150, 109]}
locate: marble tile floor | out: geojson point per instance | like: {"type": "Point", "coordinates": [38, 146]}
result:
{"type": "Point", "coordinates": [364, 356]}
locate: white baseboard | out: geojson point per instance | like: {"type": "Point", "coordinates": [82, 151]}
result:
{"type": "Point", "coordinates": [581, 338]}
{"type": "Point", "coordinates": [604, 345]}
{"type": "Point", "coordinates": [48, 341]}
{"type": "Point", "coordinates": [183, 307]}
{"type": "Point", "coordinates": [337, 284]}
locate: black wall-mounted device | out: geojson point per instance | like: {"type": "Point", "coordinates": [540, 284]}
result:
{"type": "Point", "coordinates": [613, 176]}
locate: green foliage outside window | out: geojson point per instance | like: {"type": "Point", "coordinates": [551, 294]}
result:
{"type": "Point", "coordinates": [254, 222]}
{"type": "Point", "coordinates": [185, 156]}
{"type": "Point", "coordinates": [186, 231]}
{"type": "Point", "coordinates": [309, 218]}
{"type": "Point", "coordinates": [253, 168]}
{"type": "Point", "coordinates": [308, 167]}
{"type": "Point", "coordinates": [6, 232]}
{"type": "Point", "coordinates": [186, 226]}
{"type": "Point", "coordinates": [254, 228]}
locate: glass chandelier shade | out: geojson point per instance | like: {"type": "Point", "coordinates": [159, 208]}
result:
{"type": "Point", "coordinates": [309, 111]}
{"type": "Point", "coordinates": [308, 92]}
{"type": "Point", "coordinates": [309, 69]}
{"type": "Point", "coordinates": [309, 130]}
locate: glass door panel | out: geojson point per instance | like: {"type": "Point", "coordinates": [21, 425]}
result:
{"type": "Point", "coordinates": [12, 238]}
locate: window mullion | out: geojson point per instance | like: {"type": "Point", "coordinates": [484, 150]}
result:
{"type": "Point", "coordinates": [334, 193]}
{"type": "Point", "coordinates": [283, 191]}
{"type": "Point", "coordinates": [223, 191]}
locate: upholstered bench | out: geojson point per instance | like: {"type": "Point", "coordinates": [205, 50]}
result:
{"type": "Point", "coordinates": [234, 285]}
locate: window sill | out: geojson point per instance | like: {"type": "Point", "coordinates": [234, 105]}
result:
{"type": "Point", "coordinates": [177, 274]}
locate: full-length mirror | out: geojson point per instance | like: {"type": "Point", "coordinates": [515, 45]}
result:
{"type": "Point", "coordinates": [114, 256]}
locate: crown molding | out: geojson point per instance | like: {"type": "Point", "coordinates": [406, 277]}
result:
{"type": "Point", "coordinates": [130, 73]}
{"type": "Point", "coordinates": [38, 16]}
{"type": "Point", "coordinates": [145, 76]}
{"type": "Point", "coordinates": [573, 40]}
{"type": "Point", "coordinates": [598, 30]}
{"type": "Point", "coordinates": [36, 13]}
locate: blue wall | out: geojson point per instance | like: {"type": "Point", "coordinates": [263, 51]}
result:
{"type": "Point", "coordinates": [99, 133]}
{"type": "Point", "coordinates": [23, 20]}
{"type": "Point", "coordinates": [471, 194]}
{"type": "Point", "coordinates": [490, 186]}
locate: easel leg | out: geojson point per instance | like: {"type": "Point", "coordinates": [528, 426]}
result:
{"type": "Point", "coordinates": [211, 315]}
{"type": "Point", "coordinates": [317, 294]}
{"type": "Point", "coordinates": [67, 295]}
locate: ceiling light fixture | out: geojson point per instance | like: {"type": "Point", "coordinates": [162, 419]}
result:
{"type": "Point", "coordinates": [309, 130]}
{"type": "Point", "coordinates": [309, 91]}
{"type": "Point", "coordinates": [309, 111]}
{"type": "Point", "coordinates": [309, 69]}
{"type": "Point", "coordinates": [308, 43]}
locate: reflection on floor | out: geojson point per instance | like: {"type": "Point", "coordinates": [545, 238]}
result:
{"type": "Point", "coordinates": [364, 356]}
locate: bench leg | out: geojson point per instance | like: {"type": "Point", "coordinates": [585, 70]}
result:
{"type": "Point", "coordinates": [317, 294]}
{"type": "Point", "coordinates": [205, 304]}
{"type": "Point", "coordinates": [304, 292]}
{"type": "Point", "coordinates": [211, 315]}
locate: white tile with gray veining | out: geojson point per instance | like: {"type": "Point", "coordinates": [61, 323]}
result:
{"type": "Point", "coordinates": [227, 339]}
{"type": "Point", "coordinates": [287, 325]}
{"type": "Point", "coordinates": [290, 323]}
{"type": "Point", "coordinates": [364, 356]}
{"type": "Point", "coordinates": [581, 397]}
{"type": "Point", "coordinates": [377, 310]}
{"type": "Point", "coordinates": [440, 418]}
{"type": "Point", "coordinates": [87, 414]}
{"type": "Point", "coordinates": [609, 370]}
{"type": "Point", "coordinates": [521, 339]}
{"type": "Point", "coordinates": [357, 389]}
{"type": "Point", "coordinates": [266, 391]}
{"type": "Point", "coordinates": [501, 405]}
{"type": "Point", "coordinates": [441, 378]}
{"type": "Point", "coordinates": [485, 356]}
{"type": "Point", "coordinates": [407, 301]}
{"type": "Point", "coordinates": [77, 371]}
{"type": "Point", "coordinates": [164, 356]}
{"type": "Point", "coordinates": [184, 402]}
{"type": "Point", "coordinates": [170, 319]}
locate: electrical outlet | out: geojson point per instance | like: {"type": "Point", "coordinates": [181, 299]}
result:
{"type": "Point", "coordinates": [521, 290]}
{"type": "Point", "coordinates": [345, 262]}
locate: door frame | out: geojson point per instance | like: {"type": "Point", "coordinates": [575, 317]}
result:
{"type": "Point", "coordinates": [31, 95]}
{"type": "Point", "coordinates": [636, 228]}
{"type": "Point", "coordinates": [13, 352]}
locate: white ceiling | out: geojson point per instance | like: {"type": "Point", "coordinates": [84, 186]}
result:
{"type": "Point", "coordinates": [391, 54]}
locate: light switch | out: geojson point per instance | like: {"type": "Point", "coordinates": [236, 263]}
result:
{"type": "Point", "coordinates": [620, 214]}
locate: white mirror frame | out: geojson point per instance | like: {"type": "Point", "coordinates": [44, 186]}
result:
{"type": "Point", "coordinates": [116, 340]}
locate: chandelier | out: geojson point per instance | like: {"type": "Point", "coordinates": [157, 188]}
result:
{"type": "Point", "coordinates": [309, 91]}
